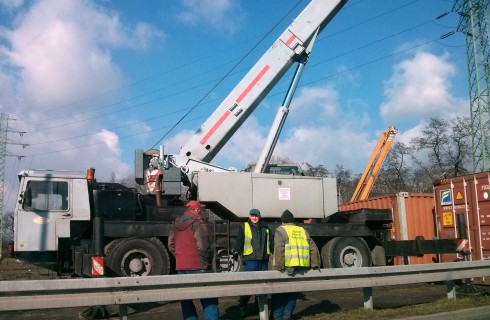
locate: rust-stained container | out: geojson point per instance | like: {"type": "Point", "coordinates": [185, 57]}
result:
{"type": "Point", "coordinates": [468, 197]}
{"type": "Point", "coordinates": [413, 215]}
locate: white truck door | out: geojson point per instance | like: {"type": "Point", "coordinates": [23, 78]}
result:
{"type": "Point", "coordinates": [42, 214]}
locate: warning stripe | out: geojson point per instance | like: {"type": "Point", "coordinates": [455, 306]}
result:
{"type": "Point", "coordinates": [290, 40]}
{"type": "Point", "coordinates": [97, 266]}
{"type": "Point", "coordinates": [215, 127]}
{"type": "Point", "coordinates": [252, 84]}
{"type": "Point", "coordinates": [238, 100]}
{"type": "Point", "coordinates": [462, 245]}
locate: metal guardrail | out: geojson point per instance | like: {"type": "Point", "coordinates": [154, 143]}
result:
{"type": "Point", "coordinates": [65, 293]}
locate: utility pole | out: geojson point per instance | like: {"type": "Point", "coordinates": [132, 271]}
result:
{"type": "Point", "coordinates": [4, 141]}
{"type": "Point", "coordinates": [473, 24]}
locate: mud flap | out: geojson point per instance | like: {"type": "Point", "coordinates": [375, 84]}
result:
{"type": "Point", "coordinates": [378, 256]}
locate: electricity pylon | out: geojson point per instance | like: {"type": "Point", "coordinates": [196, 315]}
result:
{"type": "Point", "coordinates": [4, 141]}
{"type": "Point", "coordinates": [473, 24]}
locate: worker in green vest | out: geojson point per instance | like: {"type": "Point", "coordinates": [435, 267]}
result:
{"type": "Point", "coordinates": [254, 243]}
{"type": "Point", "coordinates": [294, 251]}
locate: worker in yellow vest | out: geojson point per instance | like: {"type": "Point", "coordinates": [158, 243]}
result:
{"type": "Point", "coordinates": [294, 251]}
{"type": "Point", "coordinates": [254, 243]}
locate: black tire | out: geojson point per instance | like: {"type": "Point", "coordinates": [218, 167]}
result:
{"type": "Point", "coordinates": [136, 257]}
{"type": "Point", "coordinates": [346, 252]}
{"type": "Point", "coordinates": [223, 260]}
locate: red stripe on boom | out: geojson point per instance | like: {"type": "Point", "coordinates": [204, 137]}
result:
{"type": "Point", "coordinates": [215, 127]}
{"type": "Point", "coordinates": [252, 84]}
{"type": "Point", "coordinates": [240, 98]}
{"type": "Point", "coordinates": [290, 40]}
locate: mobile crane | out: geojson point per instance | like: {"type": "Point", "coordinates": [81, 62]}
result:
{"type": "Point", "coordinates": [373, 167]}
{"type": "Point", "coordinates": [74, 224]}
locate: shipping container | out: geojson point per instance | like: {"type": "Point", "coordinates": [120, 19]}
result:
{"type": "Point", "coordinates": [413, 216]}
{"type": "Point", "coordinates": [466, 198]}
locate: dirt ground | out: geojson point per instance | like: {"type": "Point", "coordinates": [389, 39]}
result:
{"type": "Point", "coordinates": [309, 303]}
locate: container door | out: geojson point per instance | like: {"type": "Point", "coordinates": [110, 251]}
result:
{"type": "Point", "coordinates": [468, 195]}
{"type": "Point", "coordinates": [451, 200]}
{"type": "Point", "coordinates": [480, 227]}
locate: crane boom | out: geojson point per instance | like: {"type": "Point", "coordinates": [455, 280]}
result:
{"type": "Point", "coordinates": [243, 99]}
{"type": "Point", "coordinates": [365, 184]}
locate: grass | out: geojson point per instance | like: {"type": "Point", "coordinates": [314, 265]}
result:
{"type": "Point", "coordinates": [443, 305]}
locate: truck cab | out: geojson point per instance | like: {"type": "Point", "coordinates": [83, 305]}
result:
{"type": "Point", "coordinates": [52, 205]}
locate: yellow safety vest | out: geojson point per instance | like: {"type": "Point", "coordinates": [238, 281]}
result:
{"type": "Point", "coordinates": [297, 250]}
{"type": "Point", "coordinates": [247, 245]}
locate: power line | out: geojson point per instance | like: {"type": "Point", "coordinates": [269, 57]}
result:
{"type": "Point", "coordinates": [213, 81]}
{"type": "Point", "coordinates": [101, 115]}
{"type": "Point", "coordinates": [153, 118]}
{"type": "Point", "coordinates": [279, 93]}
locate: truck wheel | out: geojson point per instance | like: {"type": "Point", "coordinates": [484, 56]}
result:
{"type": "Point", "coordinates": [223, 260]}
{"type": "Point", "coordinates": [138, 257]}
{"type": "Point", "coordinates": [346, 252]}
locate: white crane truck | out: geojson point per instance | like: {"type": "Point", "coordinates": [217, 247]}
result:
{"type": "Point", "coordinates": [74, 224]}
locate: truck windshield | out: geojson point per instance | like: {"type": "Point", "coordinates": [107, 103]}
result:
{"type": "Point", "coordinates": [47, 196]}
{"type": "Point", "coordinates": [285, 169]}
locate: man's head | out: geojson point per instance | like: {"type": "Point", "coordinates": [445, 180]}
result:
{"type": "Point", "coordinates": [287, 217]}
{"type": "Point", "coordinates": [254, 216]}
{"type": "Point", "coordinates": [194, 205]}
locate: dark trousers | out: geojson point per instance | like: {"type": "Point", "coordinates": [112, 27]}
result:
{"type": "Point", "coordinates": [283, 305]}
{"type": "Point", "coordinates": [209, 305]}
{"type": "Point", "coordinates": [252, 265]}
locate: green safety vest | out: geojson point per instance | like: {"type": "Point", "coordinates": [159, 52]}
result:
{"type": "Point", "coordinates": [247, 245]}
{"type": "Point", "coordinates": [297, 250]}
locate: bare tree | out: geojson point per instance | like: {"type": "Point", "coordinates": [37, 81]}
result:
{"type": "Point", "coordinates": [273, 161]}
{"type": "Point", "coordinates": [346, 184]}
{"type": "Point", "coordinates": [461, 148]}
{"type": "Point", "coordinates": [130, 182]}
{"type": "Point", "coordinates": [7, 227]}
{"type": "Point", "coordinates": [446, 145]}
{"type": "Point", "coordinates": [318, 171]}
{"type": "Point", "coordinates": [281, 160]}
{"type": "Point", "coordinates": [395, 175]}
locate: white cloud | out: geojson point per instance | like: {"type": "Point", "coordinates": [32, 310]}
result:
{"type": "Point", "coordinates": [54, 56]}
{"type": "Point", "coordinates": [419, 87]}
{"type": "Point", "coordinates": [315, 104]}
{"type": "Point", "coordinates": [139, 129]}
{"type": "Point", "coordinates": [106, 154]}
{"type": "Point", "coordinates": [244, 147]}
{"type": "Point", "coordinates": [7, 98]}
{"type": "Point", "coordinates": [316, 132]}
{"type": "Point", "coordinates": [225, 15]}
{"type": "Point", "coordinates": [319, 131]}
{"type": "Point", "coordinates": [55, 150]}
{"type": "Point", "coordinates": [414, 132]}
{"type": "Point", "coordinates": [175, 143]}
{"type": "Point", "coordinates": [61, 51]}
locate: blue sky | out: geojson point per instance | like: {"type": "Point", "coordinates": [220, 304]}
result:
{"type": "Point", "coordinates": [91, 81]}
